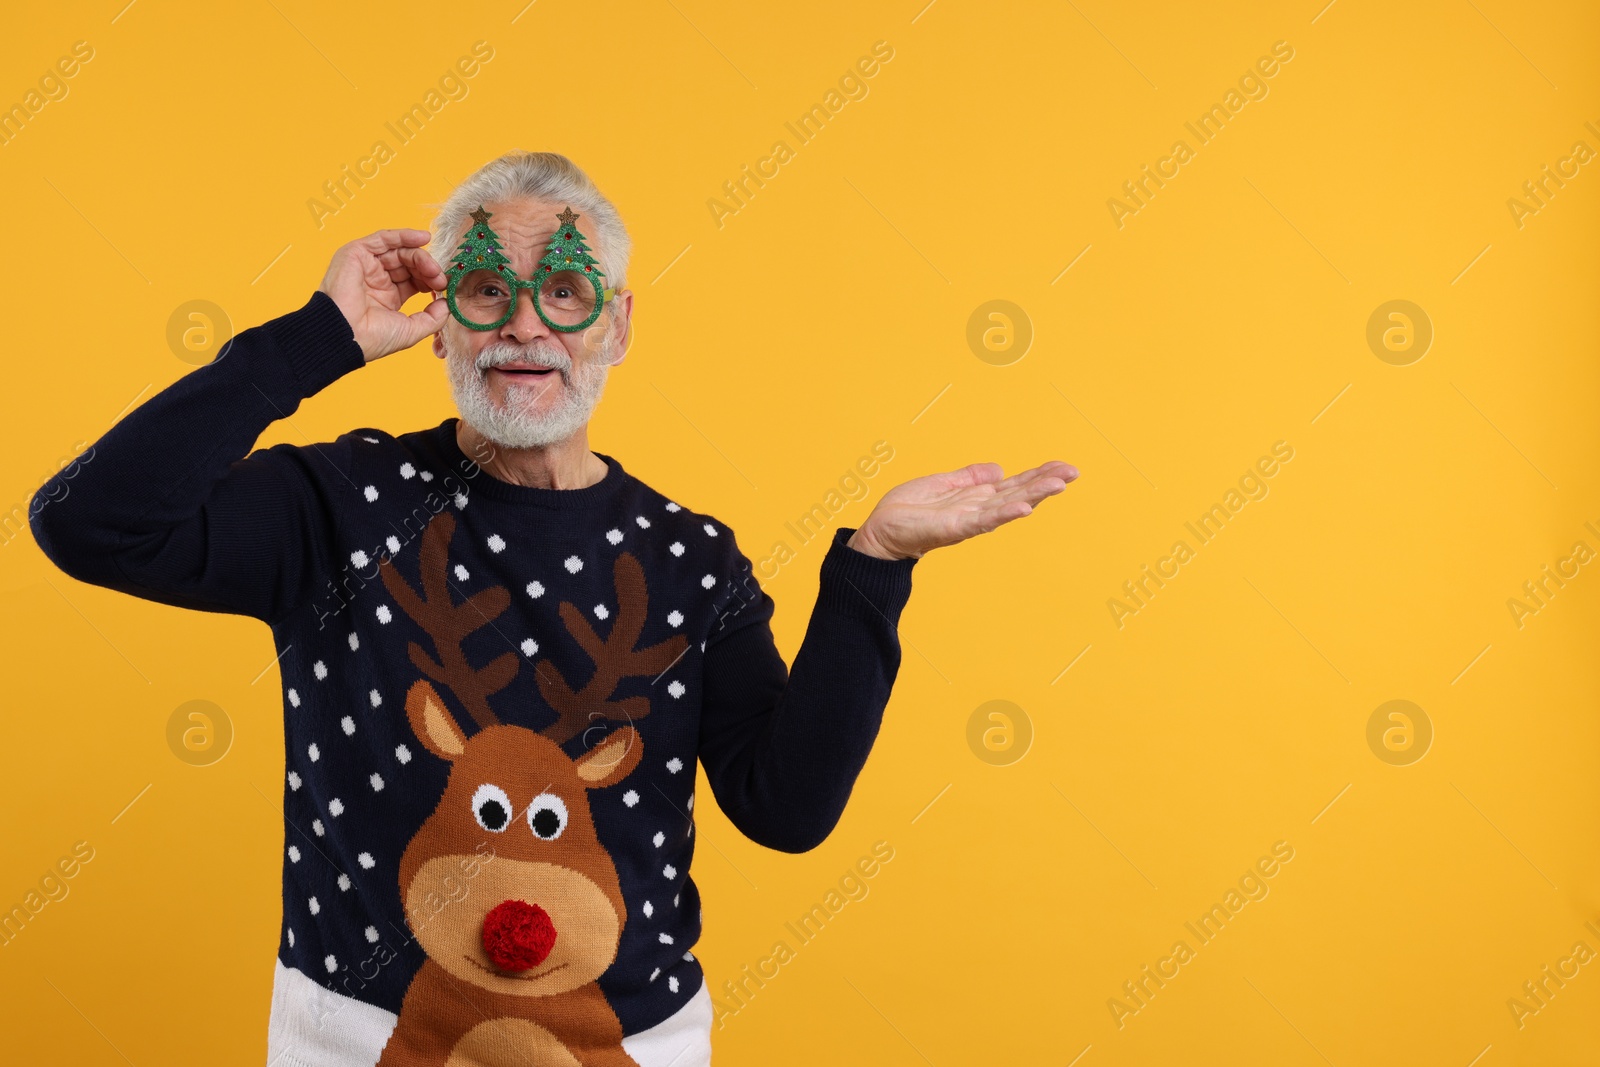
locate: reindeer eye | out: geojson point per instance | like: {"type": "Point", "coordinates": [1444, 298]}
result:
{"type": "Point", "coordinates": [492, 808]}
{"type": "Point", "coordinates": [547, 816]}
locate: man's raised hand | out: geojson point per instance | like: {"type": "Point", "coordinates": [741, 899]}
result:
{"type": "Point", "coordinates": [372, 277]}
{"type": "Point", "coordinates": [944, 509]}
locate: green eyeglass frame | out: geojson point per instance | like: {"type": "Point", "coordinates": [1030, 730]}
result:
{"type": "Point", "coordinates": [553, 252]}
{"type": "Point", "coordinates": [601, 295]}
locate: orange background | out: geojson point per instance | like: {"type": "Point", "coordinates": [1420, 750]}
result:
{"type": "Point", "coordinates": [831, 312]}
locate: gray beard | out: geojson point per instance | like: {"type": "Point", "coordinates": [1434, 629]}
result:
{"type": "Point", "coordinates": [512, 426]}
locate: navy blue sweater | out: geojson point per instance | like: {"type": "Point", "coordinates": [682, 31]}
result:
{"type": "Point", "coordinates": [445, 639]}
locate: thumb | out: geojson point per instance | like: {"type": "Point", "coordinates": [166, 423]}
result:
{"type": "Point", "coordinates": [425, 322]}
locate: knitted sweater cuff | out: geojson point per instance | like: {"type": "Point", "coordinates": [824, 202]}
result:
{"type": "Point", "coordinates": [855, 584]}
{"type": "Point", "coordinates": [316, 342]}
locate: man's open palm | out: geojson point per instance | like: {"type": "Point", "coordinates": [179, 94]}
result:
{"type": "Point", "coordinates": [944, 509]}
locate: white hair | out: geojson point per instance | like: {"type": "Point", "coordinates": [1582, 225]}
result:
{"type": "Point", "coordinates": [539, 175]}
{"type": "Point", "coordinates": [514, 426]}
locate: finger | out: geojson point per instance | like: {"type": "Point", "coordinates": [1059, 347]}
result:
{"type": "Point", "coordinates": [384, 240]}
{"type": "Point", "coordinates": [1028, 496]}
{"type": "Point", "coordinates": [1054, 468]}
{"type": "Point", "coordinates": [1008, 512]}
{"type": "Point", "coordinates": [982, 519]}
{"type": "Point", "coordinates": [425, 322]}
{"type": "Point", "coordinates": [979, 475]}
{"type": "Point", "coordinates": [1040, 481]}
{"type": "Point", "coordinates": [970, 475]}
{"type": "Point", "coordinates": [424, 268]}
{"type": "Point", "coordinates": [414, 272]}
{"type": "Point", "coordinates": [1020, 476]}
{"type": "Point", "coordinates": [393, 263]}
{"type": "Point", "coordinates": [1038, 488]}
{"type": "Point", "coordinates": [408, 289]}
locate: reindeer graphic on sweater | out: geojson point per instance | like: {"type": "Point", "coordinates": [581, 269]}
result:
{"type": "Point", "coordinates": [512, 967]}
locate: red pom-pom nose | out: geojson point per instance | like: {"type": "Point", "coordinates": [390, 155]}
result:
{"type": "Point", "coordinates": [518, 935]}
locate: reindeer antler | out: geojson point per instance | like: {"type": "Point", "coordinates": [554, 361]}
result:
{"type": "Point", "coordinates": [448, 624]}
{"type": "Point", "coordinates": [615, 658]}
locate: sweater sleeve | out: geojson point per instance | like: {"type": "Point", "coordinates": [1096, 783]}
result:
{"type": "Point", "coordinates": [167, 505]}
{"type": "Point", "coordinates": [782, 749]}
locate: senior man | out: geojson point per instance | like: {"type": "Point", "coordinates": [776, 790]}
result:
{"type": "Point", "coordinates": [501, 653]}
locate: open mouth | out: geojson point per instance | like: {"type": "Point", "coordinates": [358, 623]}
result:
{"type": "Point", "coordinates": [525, 372]}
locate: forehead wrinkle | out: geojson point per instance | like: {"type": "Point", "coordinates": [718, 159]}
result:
{"type": "Point", "coordinates": [525, 242]}
{"type": "Point", "coordinates": [522, 244]}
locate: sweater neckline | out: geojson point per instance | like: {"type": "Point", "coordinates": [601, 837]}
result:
{"type": "Point", "coordinates": [480, 481]}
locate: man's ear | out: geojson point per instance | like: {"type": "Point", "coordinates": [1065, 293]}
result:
{"type": "Point", "coordinates": [438, 342]}
{"type": "Point", "coordinates": [619, 309]}
{"type": "Point", "coordinates": [625, 307]}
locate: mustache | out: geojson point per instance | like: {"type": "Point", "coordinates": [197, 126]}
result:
{"type": "Point", "coordinates": [542, 355]}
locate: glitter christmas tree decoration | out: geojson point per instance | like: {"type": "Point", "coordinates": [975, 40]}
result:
{"type": "Point", "coordinates": [566, 285]}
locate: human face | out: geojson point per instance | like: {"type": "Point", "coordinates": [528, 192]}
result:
{"type": "Point", "coordinates": [567, 292]}
{"type": "Point", "coordinates": [523, 384]}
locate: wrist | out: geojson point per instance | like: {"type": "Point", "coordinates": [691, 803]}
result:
{"type": "Point", "coordinates": [316, 341]}
{"type": "Point", "coordinates": [863, 541]}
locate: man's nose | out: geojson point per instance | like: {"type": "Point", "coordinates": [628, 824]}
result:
{"type": "Point", "coordinates": [525, 324]}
